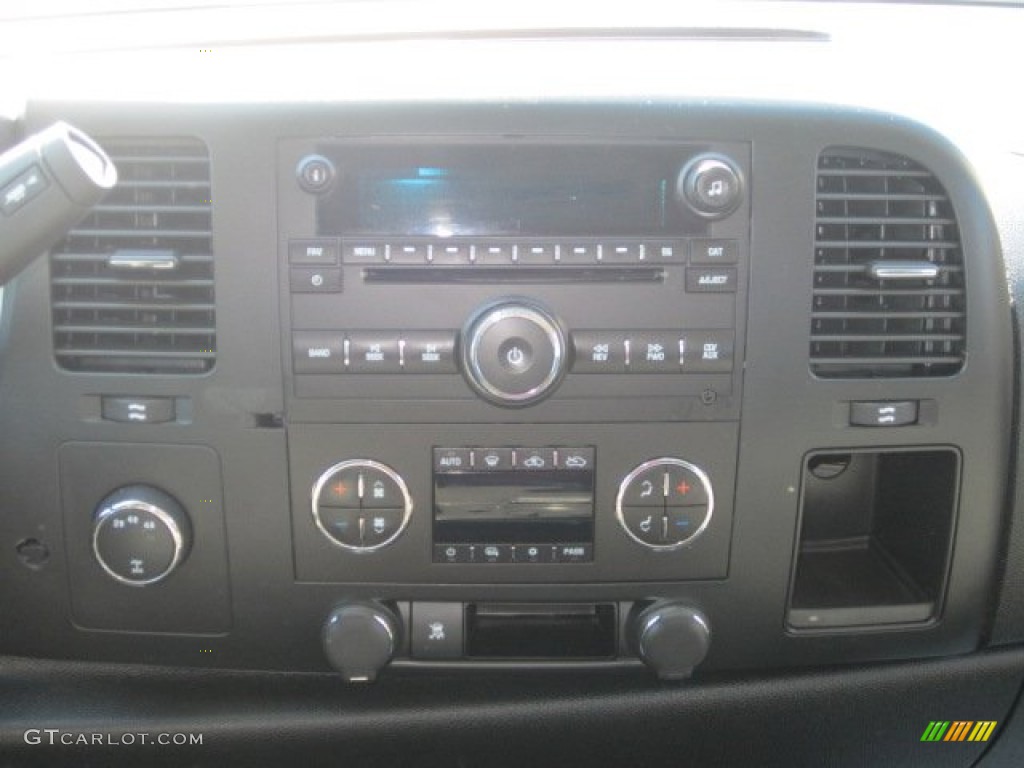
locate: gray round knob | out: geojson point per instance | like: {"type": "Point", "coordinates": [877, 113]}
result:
{"type": "Point", "coordinates": [359, 639]}
{"type": "Point", "coordinates": [710, 185]}
{"type": "Point", "coordinates": [140, 535]}
{"type": "Point", "coordinates": [514, 352]}
{"type": "Point", "coordinates": [670, 638]}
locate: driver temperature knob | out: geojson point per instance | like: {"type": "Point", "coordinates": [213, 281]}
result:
{"type": "Point", "coordinates": [359, 639]}
{"type": "Point", "coordinates": [514, 353]}
{"type": "Point", "coordinates": [670, 638]}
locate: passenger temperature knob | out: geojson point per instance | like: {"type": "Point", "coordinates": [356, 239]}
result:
{"type": "Point", "coordinates": [670, 638]}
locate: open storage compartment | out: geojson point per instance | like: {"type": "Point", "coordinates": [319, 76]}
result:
{"type": "Point", "coordinates": [876, 534]}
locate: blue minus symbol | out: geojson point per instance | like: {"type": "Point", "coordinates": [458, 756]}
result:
{"type": "Point", "coordinates": [682, 523]}
{"type": "Point", "coordinates": [342, 524]}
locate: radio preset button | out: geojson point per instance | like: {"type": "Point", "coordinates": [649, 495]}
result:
{"type": "Point", "coordinates": [451, 254]}
{"type": "Point", "coordinates": [580, 253]}
{"type": "Point", "coordinates": [712, 252]}
{"type": "Point", "coordinates": [599, 352]}
{"type": "Point", "coordinates": [409, 253]}
{"type": "Point", "coordinates": [494, 254]}
{"type": "Point", "coordinates": [538, 253]}
{"type": "Point", "coordinates": [621, 253]}
{"type": "Point", "coordinates": [429, 352]}
{"type": "Point", "coordinates": [370, 352]}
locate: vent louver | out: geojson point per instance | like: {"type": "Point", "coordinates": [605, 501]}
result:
{"type": "Point", "coordinates": [888, 270]}
{"type": "Point", "coordinates": [132, 286]}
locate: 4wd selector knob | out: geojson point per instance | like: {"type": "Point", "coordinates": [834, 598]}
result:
{"type": "Point", "coordinates": [514, 352]}
{"type": "Point", "coordinates": [140, 535]}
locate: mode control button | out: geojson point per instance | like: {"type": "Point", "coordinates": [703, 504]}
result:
{"type": "Point", "coordinates": [494, 459]}
{"type": "Point", "coordinates": [453, 459]}
{"type": "Point", "coordinates": [436, 630]}
{"type": "Point", "coordinates": [429, 352]}
{"type": "Point", "coordinates": [514, 353]}
{"type": "Point", "coordinates": [646, 488]}
{"type": "Point", "coordinates": [645, 523]}
{"type": "Point", "coordinates": [535, 458]}
{"type": "Point", "coordinates": [599, 352]}
{"type": "Point", "coordinates": [495, 553]}
{"type": "Point", "coordinates": [378, 489]}
{"type": "Point", "coordinates": [378, 526]}
{"type": "Point", "coordinates": [705, 251]}
{"type": "Point", "coordinates": [576, 458]}
{"type": "Point", "coordinates": [370, 352]}
{"type": "Point", "coordinates": [318, 352]}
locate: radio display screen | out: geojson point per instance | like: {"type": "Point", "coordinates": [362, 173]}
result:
{"type": "Point", "coordinates": [514, 506]}
{"type": "Point", "coordinates": [498, 190]}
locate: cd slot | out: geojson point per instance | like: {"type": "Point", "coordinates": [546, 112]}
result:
{"type": "Point", "coordinates": [515, 274]}
{"type": "Point", "coordinates": [510, 631]}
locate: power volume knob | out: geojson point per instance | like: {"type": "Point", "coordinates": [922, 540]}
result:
{"type": "Point", "coordinates": [710, 186]}
{"type": "Point", "coordinates": [514, 353]}
{"type": "Point", "coordinates": [140, 535]}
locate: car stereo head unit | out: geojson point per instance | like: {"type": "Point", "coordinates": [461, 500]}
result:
{"type": "Point", "coordinates": [558, 275]}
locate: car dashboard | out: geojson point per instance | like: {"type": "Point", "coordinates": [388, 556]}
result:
{"type": "Point", "coordinates": [437, 387]}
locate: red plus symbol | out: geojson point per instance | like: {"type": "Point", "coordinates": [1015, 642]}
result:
{"type": "Point", "coordinates": [340, 489]}
{"type": "Point", "coordinates": [683, 488]}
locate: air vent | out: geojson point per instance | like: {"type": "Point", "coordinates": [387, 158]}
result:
{"type": "Point", "coordinates": [888, 270]}
{"type": "Point", "coordinates": [132, 286]}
